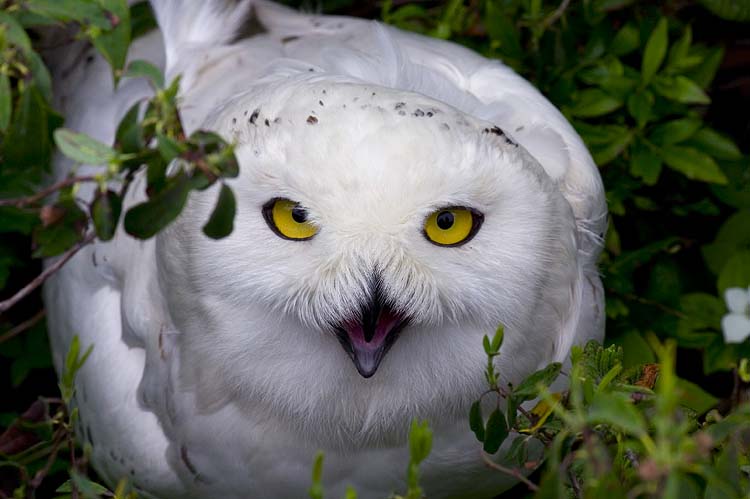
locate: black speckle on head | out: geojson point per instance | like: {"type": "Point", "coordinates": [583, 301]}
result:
{"type": "Point", "coordinates": [254, 116]}
{"type": "Point", "coordinates": [324, 91]}
{"type": "Point", "coordinates": [311, 120]}
{"type": "Point", "coordinates": [430, 114]}
{"type": "Point", "coordinates": [288, 39]}
{"type": "Point", "coordinates": [132, 472]}
{"type": "Point", "coordinates": [343, 106]}
{"type": "Point", "coordinates": [234, 120]}
{"type": "Point", "coordinates": [373, 94]}
{"type": "Point", "coordinates": [418, 113]}
{"type": "Point", "coordinates": [277, 120]}
{"type": "Point", "coordinates": [399, 105]}
{"type": "Point", "coordinates": [316, 24]}
{"type": "Point", "coordinates": [519, 128]}
{"type": "Point", "coordinates": [321, 103]}
{"type": "Point", "coordinates": [402, 113]}
{"type": "Point", "coordinates": [445, 126]}
{"type": "Point", "coordinates": [245, 113]}
{"type": "Point", "coordinates": [89, 59]}
{"type": "Point", "coordinates": [311, 70]}
{"type": "Point", "coordinates": [268, 123]}
{"type": "Point", "coordinates": [355, 99]}
{"type": "Point", "coordinates": [497, 131]}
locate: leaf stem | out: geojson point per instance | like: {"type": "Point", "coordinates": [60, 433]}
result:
{"type": "Point", "coordinates": [34, 198]}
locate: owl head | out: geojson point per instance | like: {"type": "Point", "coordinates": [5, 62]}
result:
{"type": "Point", "coordinates": [379, 235]}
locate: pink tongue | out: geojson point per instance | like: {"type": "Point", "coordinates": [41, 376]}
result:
{"type": "Point", "coordinates": [368, 354]}
{"type": "Point", "coordinates": [386, 322]}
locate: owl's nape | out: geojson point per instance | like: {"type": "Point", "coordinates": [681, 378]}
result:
{"type": "Point", "coordinates": [369, 333]}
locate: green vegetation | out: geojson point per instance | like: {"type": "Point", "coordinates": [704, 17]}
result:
{"type": "Point", "coordinates": [656, 91]}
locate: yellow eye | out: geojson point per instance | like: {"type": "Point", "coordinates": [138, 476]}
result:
{"type": "Point", "coordinates": [452, 226]}
{"type": "Point", "coordinates": [288, 220]}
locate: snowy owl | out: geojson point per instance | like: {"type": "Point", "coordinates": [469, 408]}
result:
{"type": "Point", "coordinates": [399, 197]}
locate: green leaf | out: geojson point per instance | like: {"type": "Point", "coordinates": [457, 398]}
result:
{"type": "Point", "coordinates": [626, 40]}
{"type": "Point", "coordinates": [673, 132]}
{"type": "Point", "coordinates": [70, 10]}
{"type": "Point", "coordinates": [6, 103]}
{"type": "Point", "coordinates": [636, 351]}
{"type": "Point", "coordinates": [715, 144]}
{"type": "Point", "coordinates": [82, 148]}
{"type": "Point", "coordinates": [702, 315]}
{"type": "Point", "coordinates": [639, 106]}
{"type": "Point", "coordinates": [497, 340]}
{"type": "Point", "coordinates": [645, 164]}
{"type": "Point", "coordinates": [737, 192]}
{"type": "Point", "coordinates": [693, 164]}
{"type": "Point", "coordinates": [27, 146]}
{"type": "Point", "coordinates": [694, 397]}
{"type": "Point", "coordinates": [316, 489]}
{"type": "Point", "coordinates": [732, 237]}
{"type": "Point", "coordinates": [144, 69]}
{"type": "Point", "coordinates": [64, 228]}
{"type": "Point", "coordinates": [679, 52]}
{"type": "Point", "coordinates": [129, 136]}
{"type": "Point", "coordinates": [41, 76]}
{"type": "Point", "coordinates": [113, 44]}
{"type": "Point", "coordinates": [656, 49]}
{"type": "Point", "coordinates": [680, 89]}
{"type": "Point", "coordinates": [476, 423]}
{"type": "Point", "coordinates": [736, 272]}
{"type": "Point", "coordinates": [146, 219]}
{"type": "Point", "coordinates": [85, 486]}
{"type": "Point", "coordinates": [603, 154]}
{"type": "Point", "coordinates": [594, 102]}
{"type": "Point", "coordinates": [15, 33]}
{"type": "Point", "coordinates": [704, 73]}
{"type": "Point", "coordinates": [496, 432]}
{"type": "Point", "coordinates": [528, 388]}
{"type": "Point", "coordinates": [105, 212]}
{"type": "Point", "coordinates": [420, 441]}
{"type": "Point", "coordinates": [615, 410]}
{"type": "Point", "coordinates": [169, 148]}
{"type": "Point", "coordinates": [221, 222]}
{"type": "Point", "coordinates": [731, 10]}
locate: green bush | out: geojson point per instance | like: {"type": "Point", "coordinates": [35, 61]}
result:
{"type": "Point", "coordinates": [634, 78]}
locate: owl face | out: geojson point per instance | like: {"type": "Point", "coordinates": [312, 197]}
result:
{"type": "Point", "coordinates": [378, 235]}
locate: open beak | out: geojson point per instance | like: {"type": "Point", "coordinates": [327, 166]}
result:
{"type": "Point", "coordinates": [368, 337]}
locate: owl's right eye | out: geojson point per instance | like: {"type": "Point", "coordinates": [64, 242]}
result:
{"type": "Point", "coordinates": [288, 220]}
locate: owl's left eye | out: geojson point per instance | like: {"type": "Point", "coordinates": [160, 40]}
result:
{"type": "Point", "coordinates": [452, 226]}
{"type": "Point", "coordinates": [288, 220]}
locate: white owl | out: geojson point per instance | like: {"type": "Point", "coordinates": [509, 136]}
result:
{"type": "Point", "coordinates": [399, 197]}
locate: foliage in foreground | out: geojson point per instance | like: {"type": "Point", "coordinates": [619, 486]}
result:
{"type": "Point", "coordinates": [635, 80]}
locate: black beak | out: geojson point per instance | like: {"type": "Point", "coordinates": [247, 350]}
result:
{"type": "Point", "coordinates": [369, 336]}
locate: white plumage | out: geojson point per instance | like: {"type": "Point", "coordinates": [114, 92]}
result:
{"type": "Point", "coordinates": [217, 370]}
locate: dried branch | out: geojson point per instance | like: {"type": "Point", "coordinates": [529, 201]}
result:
{"type": "Point", "coordinates": [27, 324]}
{"type": "Point", "coordinates": [35, 198]}
{"type": "Point", "coordinates": [514, 472]}
{"type": "Point", "coordinates": [39, 280]}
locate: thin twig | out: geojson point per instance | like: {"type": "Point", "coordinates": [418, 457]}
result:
{"type": "Point", "coordinates": [509, 471]}
{"type": "Point", "coordinates": [39, 476]}
{"type": "Point", "coordinates": [549, 21]}
{"type": "Point", "coordinates": [652, 303]}
{"type": "Point", "coordinates": [39, 280]}
{"type": "Point", "coordinates": [34, 198]}
{"type": "Point", "coordinates": [27, 324]}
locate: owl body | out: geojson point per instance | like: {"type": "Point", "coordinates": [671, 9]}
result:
{"type": "Point", "coordinates": [218, 368]}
